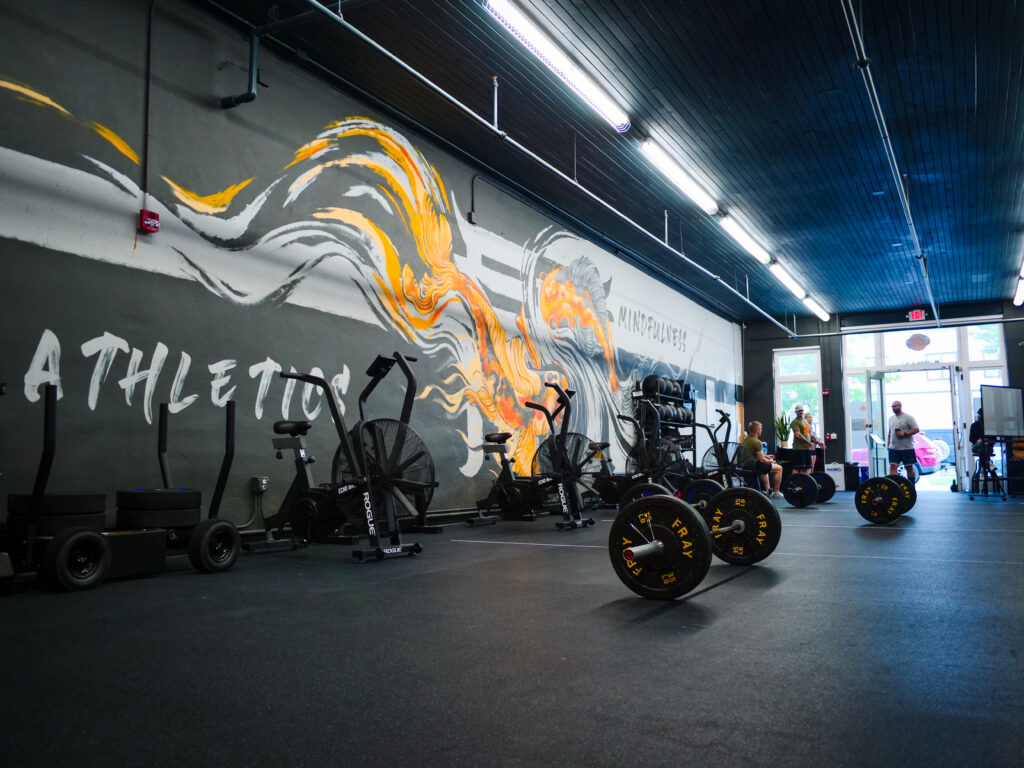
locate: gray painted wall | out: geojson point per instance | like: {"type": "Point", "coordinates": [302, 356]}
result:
{"type": "Point", "coordinates": [229, 284]}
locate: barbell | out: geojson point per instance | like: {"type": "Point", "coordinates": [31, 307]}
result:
{"type": "Point", "coordinates": [881, 500]}
{"type": "Point", "coordinates": [661, 547]}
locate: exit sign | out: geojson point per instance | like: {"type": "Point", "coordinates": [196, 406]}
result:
{"type": "Point", "coordinates": [915, 315]}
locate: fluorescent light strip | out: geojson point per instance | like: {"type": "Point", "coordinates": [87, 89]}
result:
{"type": "Point", "coordinates": [812, 305]}
{"type": "Point", "coordinates": [540, 46]}
{"type": "Point", "coordinates": [740, 236]}
{"type": "Point", "coordinates": [1018, 297]}
{"type": "Point", "coordinates": [787, 280]}
{"type": "Point", "coordinates": [675, 173]}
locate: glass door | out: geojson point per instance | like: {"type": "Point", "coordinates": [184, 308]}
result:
{"type": "Point", "coordinates": [958, 454]}
{"type": "Point", "coordinates": [876, 425]}
{"type": "Point", "coordinates": [927, 394]}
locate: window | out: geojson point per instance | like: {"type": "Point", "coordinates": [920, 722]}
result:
{"type": "Point", "coordinates": [859, 350]}
{"type": "Point", "coordinates": [989, 377]}
{"type": "Point", "coordinates": [931, 345]}
{"type": "Point", "coordinates": [798, 364]}
{"type": "Point", "coordinates": [984, 342]}
{"type": "Point", "coordinates": [798, 382]}
{"type": "Point", "coordinates": [857, 413]}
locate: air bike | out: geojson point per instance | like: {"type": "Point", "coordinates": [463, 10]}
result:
{"type": "Point", "coordinates": [381, 475]}
{"type": "Point", "coordinates": [555, 460]}
{"type": "Point", "coordinates": [557, 473]}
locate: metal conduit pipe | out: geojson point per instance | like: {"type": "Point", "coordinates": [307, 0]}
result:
{"type": "Point", "coordinates": [250, 95]}
{"type": "Point", "coordinates": [146, 99]}
{"type": "Point", "coordinates": [908, 327]}
{"type": "Point", "coordinates": [863, 63]}
{"type": "Point", "coordinates": [539, 160]}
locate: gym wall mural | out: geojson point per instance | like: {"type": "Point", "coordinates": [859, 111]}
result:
{"type": "Point", "coordinates": [359, 225]}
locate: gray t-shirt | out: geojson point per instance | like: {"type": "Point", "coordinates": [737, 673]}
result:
{"type": "Point", "coordinates": [903, 422]}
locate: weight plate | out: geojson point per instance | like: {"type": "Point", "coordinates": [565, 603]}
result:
{"type": "Point", "coordinates": [685, 555]}
{"type": "Point", "coordinates": [699, 492]}
{"type": "Point", "coordinates": [878, 500]}
{"type": "Point", "coordinates": [762, 526]}
{"type": "Point", "coordinates": [800, 489]}
{"type": "Point", "coordinates": [908, 493]}
{"type": "Point", "coordinates": [642, 490]}
{"type": "Point", "coordinates": [826, 486]}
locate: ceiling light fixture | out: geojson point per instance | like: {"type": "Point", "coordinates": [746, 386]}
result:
{"type": "Point", "coordinates": [812, 305]}
{"type": "Point", "coordinates": [1018, 297]}
{"type": "Point", "coordinates": [740, 236]}
{"type": "Point", "coordinates": [787, 280]}
{"type": "Point", "coordinates": [554, 59]}
{"type": "Point", "coordinates": [675, 173]}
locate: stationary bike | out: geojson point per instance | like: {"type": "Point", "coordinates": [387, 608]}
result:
{"type": "Point", "coordinates": [381, 472]}
{"type": "Point", "coordinates": [514, 497]}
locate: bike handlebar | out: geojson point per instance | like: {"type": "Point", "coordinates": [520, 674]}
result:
{"type": "Point", "coordinates": [539, 407]}
{"type": "Point", "coordinates": [308, 378]}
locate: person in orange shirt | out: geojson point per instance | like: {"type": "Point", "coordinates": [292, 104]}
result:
{"type": "Point", "coordinates": [803, 455]}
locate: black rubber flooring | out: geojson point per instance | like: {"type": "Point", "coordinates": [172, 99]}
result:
{"type": "Point", "coordinates": [516, 645]}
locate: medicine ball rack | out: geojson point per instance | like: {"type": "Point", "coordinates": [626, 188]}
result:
{"type": "Point", "coordinates": [674, 403]}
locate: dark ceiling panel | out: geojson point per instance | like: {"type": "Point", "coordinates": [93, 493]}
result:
{"type": "Point", "coordinates": [762, 97]}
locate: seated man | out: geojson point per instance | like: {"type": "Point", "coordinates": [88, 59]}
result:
{"type": "Point", "coordinates": [980, 447]}
{"type": "Point", "coordinates": [764, 463]}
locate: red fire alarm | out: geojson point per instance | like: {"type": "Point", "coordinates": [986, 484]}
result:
{"type": "Point", "coordinates": [825, 392]}
{"type": "Point", "coordinates": [149, 221]}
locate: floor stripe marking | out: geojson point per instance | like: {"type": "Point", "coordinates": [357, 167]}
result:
{"type": "Point", "coordinates": [529, 544]}
{"type": "Point", "coordinates": [902, 529]}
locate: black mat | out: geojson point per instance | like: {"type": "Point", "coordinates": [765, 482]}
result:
{"type": "Point", "coordinates": [853, 645]}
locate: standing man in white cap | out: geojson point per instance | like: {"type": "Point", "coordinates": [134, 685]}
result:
{"type": "Point", "coordinates": [902, 428]}
{"type": "Point", "coordinates": [803, 455]}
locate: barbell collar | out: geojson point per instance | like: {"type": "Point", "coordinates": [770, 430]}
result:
{"type": "Point", "coordinates": [644, 550]}
{"type": "Point", "coordinates": [738, 526]}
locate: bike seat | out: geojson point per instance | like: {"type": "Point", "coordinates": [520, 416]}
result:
{"type": "Point", "coordinates": [293, 428]}
{"type": "Point", "coordinates": [497, 437]}
{"type": "Point", "coordinates": [598, 446]}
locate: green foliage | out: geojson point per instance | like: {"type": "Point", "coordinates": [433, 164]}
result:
{"type": "Point", "coordinates": [984, 342]}
{"type": "Point", "coordinates": [807, 392]}
{"type": "Point", "coordinates": [781, 428]}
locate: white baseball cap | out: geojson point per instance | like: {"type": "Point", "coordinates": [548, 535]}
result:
{"type": "Point", "coordinates": [798, 408]}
